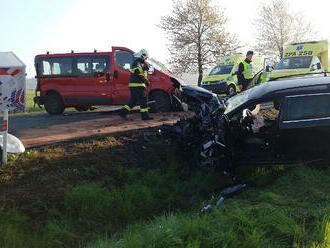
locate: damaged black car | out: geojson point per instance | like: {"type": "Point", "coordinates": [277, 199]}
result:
{"type": "Point", "coordinates": [278, 122]}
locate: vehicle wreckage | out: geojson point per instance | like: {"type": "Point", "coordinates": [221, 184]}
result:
{"type": "Point", "coordinates": [279, 122]}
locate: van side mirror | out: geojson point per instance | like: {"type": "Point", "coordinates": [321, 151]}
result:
{"type": "Point", "coordinates": [115, 74]}
{"type": "Point", "coordinates": [267, 68]}
{"type": "Point", "coordinates": [151, 70]}
{"type": "Point", "coordinates": [318, 65]}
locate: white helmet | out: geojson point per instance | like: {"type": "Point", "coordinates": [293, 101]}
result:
{"type": "Point", "coordinates": [143, 54]}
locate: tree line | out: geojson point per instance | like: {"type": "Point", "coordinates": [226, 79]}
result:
{"type": "Point", "coordinates": [198, 33]}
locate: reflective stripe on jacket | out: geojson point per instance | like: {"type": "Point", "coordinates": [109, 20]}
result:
{"type": "Point", "coordinates": [139, 76]}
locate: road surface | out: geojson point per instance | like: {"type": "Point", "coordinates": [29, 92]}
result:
{"type": "Point", "coordinates": [41, 129]}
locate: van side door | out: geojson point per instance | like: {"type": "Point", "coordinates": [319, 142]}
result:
{"type": "Point", "coordinates": [90, 83]}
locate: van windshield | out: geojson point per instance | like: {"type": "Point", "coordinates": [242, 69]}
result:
{"type": "Point", "coordinates": [158, 65]}
{"type": "Point", "coordinates": [294, 63]}
{"type": "Point", "coordinates": [221, 70]}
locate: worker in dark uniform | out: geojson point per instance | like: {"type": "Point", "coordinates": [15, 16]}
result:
{"type": "Point", "coordinates": [137, 85]}
{"type": "Point", "coordinates": [245, 71]}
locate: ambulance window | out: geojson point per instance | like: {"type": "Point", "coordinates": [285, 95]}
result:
{"type": "Point", "coordinates": [124, 59]}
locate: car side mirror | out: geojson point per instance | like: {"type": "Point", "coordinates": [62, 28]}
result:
{"type": "Point", "coordinates": [115, 74]}
{"type": "Point", "coordinates": [151, 70]}
{"type": "Point", "coordinates": [318, 65]}
{"type": "Point", "coordinates": [107, 76]}
{"type": "Point", "coordinates": [267, 68]}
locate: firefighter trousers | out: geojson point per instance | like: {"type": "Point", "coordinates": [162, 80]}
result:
{"type": "Point", "coordinates": [138, 97]}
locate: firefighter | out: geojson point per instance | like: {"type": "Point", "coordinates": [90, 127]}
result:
{"type": "Point", "coordinates": [245, 71]}
{"type": "Point", "coordinates": [137, 85]}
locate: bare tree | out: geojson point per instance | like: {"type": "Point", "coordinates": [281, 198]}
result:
{"type": "Point", "coordinates": [198, 37]}
{"type": "Point", "coordinates": [276, 27]}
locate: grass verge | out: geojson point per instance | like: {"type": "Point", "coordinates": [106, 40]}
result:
{"type": "Point", "coordinates": [124, 191]}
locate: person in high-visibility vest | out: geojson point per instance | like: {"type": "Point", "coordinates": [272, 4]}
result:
{"type": "Point", "coordinates": [137, 86]}
{"type": "Point", "coordinates": [245, 71]}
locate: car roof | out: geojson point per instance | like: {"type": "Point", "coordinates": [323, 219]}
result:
{"type": "Point", "coordinates": [292, 86]}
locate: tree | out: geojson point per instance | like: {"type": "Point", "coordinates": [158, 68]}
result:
{"type": "Point", "coordinates": [276, 27]}
{"type": "Point", "coordinates": [198, 37]}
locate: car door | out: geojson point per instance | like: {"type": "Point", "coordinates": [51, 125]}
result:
{"type": "Point", "coordinates": [305, 125]}
{"type": "Point", "coordinates": [122, 62]}
{"type": "Point", "coordinates": [90, 83]}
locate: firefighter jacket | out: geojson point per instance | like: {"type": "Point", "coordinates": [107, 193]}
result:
{"type": "Point", "coordinates": [139, 74]}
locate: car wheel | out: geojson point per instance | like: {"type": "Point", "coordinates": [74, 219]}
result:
{"type": "Point", "coordinates": [231, 90]}
{"type": "Point", "coordinates": [54, 104]}
{"type": "Point", "coordinates": [82, 108]}
{"type": "Point", "coordinates": [162, 102]}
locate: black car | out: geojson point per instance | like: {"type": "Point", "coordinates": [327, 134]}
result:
{"type": "Point", "coordinates": [283, 121]}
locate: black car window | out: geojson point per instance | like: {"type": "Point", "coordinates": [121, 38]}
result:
{"type": "Point", "coordinates": [124, 59]}
{"type": "Point", "coordinates": [307, 107]}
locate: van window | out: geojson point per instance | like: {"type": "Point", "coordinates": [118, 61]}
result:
{"type": "Point", "coordinates": [100, 64]}
{"type": "Point", "coordinates": [83, 66]}
{"type": "Point", "coordinates": [124, 59]}
{"type": "Point", "coordinates": [46, 68]}
{"type": "Point", "coordinates": [307, 107]}
{"type": "Point", "coordinates": [55, 66]}
{"type": "Point", "coordinates": [89, 65]}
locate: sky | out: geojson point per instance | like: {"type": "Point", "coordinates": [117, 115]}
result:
{"type": "Point", "coordinates": [33, 27]}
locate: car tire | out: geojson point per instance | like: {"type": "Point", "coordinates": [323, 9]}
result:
{"type": "Point", "coordinates": [54, 104]}
{"type": "Point", "coordinates": [162, 102]}
{"type": "Point", "coordinates": [231, 90]}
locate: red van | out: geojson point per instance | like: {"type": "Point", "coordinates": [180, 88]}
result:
{"type": "Point", "coordinates": [81, 80]}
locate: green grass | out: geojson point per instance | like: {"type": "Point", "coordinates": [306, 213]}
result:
{"type": "Point", "coordinates": [292, 212]}
{"type": "Point", "coordinates": [123, 192]}
{"type": "Point", "coordinates": [29, 104]}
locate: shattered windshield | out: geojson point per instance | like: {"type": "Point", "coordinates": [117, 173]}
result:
{"type": "Point", "coordinates": [237, 100]}
{"type": "Point", "coordinates": [158, 65]}
{"type": "Point", "coordinates": [294, 63]}
{"type": "Point", "coordinates": [221, 70]}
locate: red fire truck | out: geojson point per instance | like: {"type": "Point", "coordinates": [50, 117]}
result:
{"type": "Point", "coordinates": [81, 80]}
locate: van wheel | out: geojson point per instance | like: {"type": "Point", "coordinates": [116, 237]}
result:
{"type": "Point", "coordinates": [162, 102]}
{"type": "Point", "coordinates": [231, 90]}
{"type": "Point", "coordinates": [82, 108]}
{"type": "Point", "coordinates": [54, 104]}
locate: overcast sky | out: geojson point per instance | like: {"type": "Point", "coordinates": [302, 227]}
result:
{"type": "Point", "coordinates": [36, 26]}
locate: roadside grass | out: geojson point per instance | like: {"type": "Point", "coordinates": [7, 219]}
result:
{"type": "Point", "coordinates": [294, 211]}
{"type": "Point", "coordinates": [30, 107]}
{"type": "Point", "coordinates": [124, 191]}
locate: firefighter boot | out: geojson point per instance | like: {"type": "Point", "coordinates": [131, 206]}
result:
{"type": "Point", "coordinates": [123, 113]}
{"type": "Point", "coordinates": [145, 116]}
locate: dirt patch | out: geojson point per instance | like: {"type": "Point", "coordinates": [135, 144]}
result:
{"type": "Point", "coordinates": [42, 129]}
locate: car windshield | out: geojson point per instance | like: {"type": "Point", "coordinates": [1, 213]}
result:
{"type": "Point", "coordinates": [294, 63]}
{"type": "Point", "coordinates": [158, 65]}
{"type": "Point", "coordinates": [221, 70]}
{"type": "Point", "coordinates": [237, 100]}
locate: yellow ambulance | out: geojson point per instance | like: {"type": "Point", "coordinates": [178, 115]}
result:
{"type": "Point", "coordinates": [222, 79]}
{"type": "Point", "coordinates": [302, 58]}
